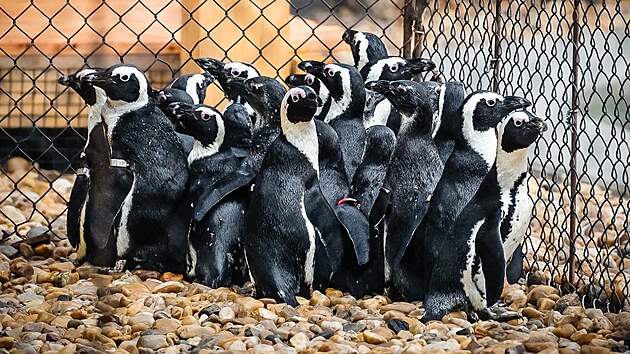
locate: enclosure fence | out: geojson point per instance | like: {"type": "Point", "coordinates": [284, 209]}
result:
{"type": "Point", "coordinates": [567, 57]}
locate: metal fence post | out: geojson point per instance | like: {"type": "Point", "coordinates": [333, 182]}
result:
{"type": "Point", "coordinates": [496, 57]}
{"type": "Point", "coordinates": [407, 28]}
{"type": "Point", "coordinates": [573, 122]}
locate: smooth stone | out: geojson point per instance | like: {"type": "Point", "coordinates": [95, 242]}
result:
{"type": "Point", "coordinates": [22, 269]}
{"type": "Point", "coordinates": [210, 310]}
{"type": "Point", "coordinates": [61, 267]}
{"type": "Point", "coordinates": [169, 287]}
{"type": "Point", "coordinates": [354, 327]}
{"type": "Point", "coordinates": [191, 331]}
{"type": "Point", "coordinates": [403, 307]}
{"type": "Point", "coordinates": [591, 349]}
{"type": "Point", "coordinates": [332, 326]}
{"type": "Point", "coordinates": [565, 331]}
{"type": "Point", "coordinates": [397, 325]}
{"type": "Point", "coordinates": [26, 250]}
{"type": "Point", "coordinates": [531, 312]}
{"type": "Point", "coordinates": [44, 250]}
{"type": "Point", "coordinates": [566, 301]}
{"type": "Point", "coordinates": [226, 314]}
{"type": "Point", "coordinates": [135, 291]}
{"type": "Point", "coordinates": [373, 338]}
{"type": "Point", "coordinates": [319, 299]}
{"type": "Point", "coordinates": [168, 276]}
{"type": "Point", "coordinates": [299, 340]}
{"type": "Point", "coordinates": [545, 304]}
{"type": "Point", "coordinates": [249, 304]}
{"type": "Point", "coordinates": [5, 272]}
{"type": "Point", "coordinates": [153, 341]}
{"type": "Point", "coordinates": [7, 342]}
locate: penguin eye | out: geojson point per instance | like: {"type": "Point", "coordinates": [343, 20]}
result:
{"type": "Point", "coordinates": [330, 72]}
{"type": "Point", "coordinates": [518, 122]}
{"type": "Point", "coordinates": [235, 72]}
{"type": "Point", "coordinates": [295, 98]}
{"type": "Point", "coordinates": [205, 116]}
{"type": "Point", "coordinates": [309, 80]}
{"type": "Point", "coordinates": [124, 78]}
{"type": "Point", "coordinates": [401, 89]}
{"type": "Point", "coordinates": [491, 102]}
{"type": "Point", "coordinates": [393, 68]}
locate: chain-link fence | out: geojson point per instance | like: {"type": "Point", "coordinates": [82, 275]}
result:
{"type": "Point", "coordinates": [565, 56]}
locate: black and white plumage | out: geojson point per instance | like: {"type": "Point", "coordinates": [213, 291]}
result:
{"type": "Point", "coordinates": [347, 92]}
{"type": "Point", "coordinates": [450, 99]}
{"type": "Point", "coordinates": [97, 248]}
{"type": "Point", "coordinates": [365, 47]}
{"type": "Point", "coordinates": [264, 95]}
{"type": "Point", "coordinates": [413, 173]}
{"type": "Point", "coordinates": [472, 157]}
{"type": "Point", "coordinates": [289, 244]}
{"type": "Point", "coordinates": [320, 89]}
{"type": "Point", "coordinates": [215, 254]}
{"type": "Point", "coordinates": [195, 85]}
{"type": "Point", "coordinates": [149, 229]}
{"type": "Point", "coordinates": [469, 269]}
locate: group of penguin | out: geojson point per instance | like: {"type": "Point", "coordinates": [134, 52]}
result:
{"type": "Point", "coordinates": [356, 178]}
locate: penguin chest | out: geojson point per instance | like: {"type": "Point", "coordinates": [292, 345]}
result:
{"type": "Point", "coordinates": [517, 221]}
{"type": "Point", "coordinates": [473, 279]}
{"type": "Point", "coordinates": [123, 236]}
{"type": "Point", "coordinates": [309, 263]}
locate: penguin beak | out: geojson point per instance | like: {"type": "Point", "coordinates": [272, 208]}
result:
{"type": "Point", "coordinates": [312, 67]}
{"type": "Point", "coordinates": [538, 124]}
{"type": "Point", "coordinates": [99, 78]}
{"type": "Point", "coordinates": [208, 78]}
{"type": "Point", "coordinates": [67, 80]}
{"type": "Point", "coordinates": [348, 36]}
{"type": "Point", "coordinates": [210, 65]}
{"type": "Point", "coordinates": [380, 86]}
{"type": "Point", "coordinates": [237, 84]}
{"type": "Point", "coordinates": [420, 65]}
{"type": "Point", "coordinates": [512, 103]}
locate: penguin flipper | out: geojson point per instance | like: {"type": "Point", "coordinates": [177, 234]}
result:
{"type": "Point", "coordinates": [357, 227]}
{"type": "Point", "coordinates": [186, 141]}
{"type": "Point", "coordinates": [210, 196]}
{"type": "Point", "coordinates": [377, 213]}
{"type": "Point", "coordinates": [489, 248]}
{"type": "Point", "coordinates": [324, 219]}
{"type": "Point", "coordinates": [514, 269]}
{"type": "Point", "coordinates": [76, 203]}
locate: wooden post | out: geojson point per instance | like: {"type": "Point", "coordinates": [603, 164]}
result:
{"type": "Point", "coordinates": [235, 30]}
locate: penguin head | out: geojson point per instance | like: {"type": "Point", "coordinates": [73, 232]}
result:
{"type": "Point", "coordinates": [165, 97]}
{"type": "Point", "coordinates": [310, 80]}
{"type": "Point", "coordinates": [365, 47]}
{"type": "Point", "coordinates": [519, 130]}
{"type": "Point", "coordinates": [202, 122]}
{"type": "Point", "coordinates": [298, 105]}
{"type": "Point", "coordinates": [344, 83]}
{"type": "Point", "coordinates": [485, 109]}
{"type": "Point", "coordinates": [450, 99]}
{"type": "Point", "coordinates": [90, 94]}
{"type": "Point", "coordinates": [195, 85]}
{"type": "Point", "coordinates": [375, 113]}
{"type": "Point", "coordinates": [379, 143]}
{"type": "Point", "coordinates": [409, 97]}
{"type": "Point", "coordinates": [395, 68]}
{"type": "Point", "coordinates": [122, 83]}
{"type": "Point", "coordinates": [238, 126]}
{"type": "Point", "coordinates": [212, 66]}
{"type": "Point", "coordinates": [264, 94]}
{"type": "Point", "coordinates": [240, 69]}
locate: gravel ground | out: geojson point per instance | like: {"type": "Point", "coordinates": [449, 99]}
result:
{"type": "Point", "coordinates": [47, 305]}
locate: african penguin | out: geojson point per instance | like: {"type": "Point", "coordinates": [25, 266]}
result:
{"type": "Point", "coordinates": [450, 99]}
{"type": "Point", "coordinates": [264, 95]}
{"type": "Point", "coordinates": [96, 247]}
{"type": "Point", "coordinates": [288, 245]}
{"type": "Point", "coordinates": [347, 92]}
{"type": "Point", "coordinates": [472, 157]}
{"type": "Point", "coordinates": [195, 85]}
{"type": "Point", "coordinates": [149, 230]}
{"type": "Point", "coordinates": [516, 204]}
{"type": "Point", "coordinates": [365, 47]}
{"type": "Point", "coordinates": [320, 89]}
{"type": "Point", "coordinates": [469, 269]}
{"type": "Point", "coordinates": [215, 254]}
{"type": "Point", "coordinates": [413, 173]}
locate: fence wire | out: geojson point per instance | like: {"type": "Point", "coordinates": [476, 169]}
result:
{"type": "Point", "coordinates": [567, 57]}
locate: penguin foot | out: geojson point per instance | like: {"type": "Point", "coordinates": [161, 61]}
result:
{"type": "Point", "coordinates": [487, 314]}
{"type": "Point", "coordinates": [440, 304]}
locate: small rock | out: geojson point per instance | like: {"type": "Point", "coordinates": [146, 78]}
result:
{"type": "Point", "coordinates": [7, 342]}
{"type": "Point", "coordinates": [531, 312]}
{"type": "Point", "coordinates": [540, 291]}
{"type": "Point", "coordinates": [249, 304]}
{"type": "Point", "coordinates": [545, 304]}
{"type": "Point", "coordinates": [397, 325]}
{"type": "Point", "coordinates": [44, 250]}
{"type": "Point", "coordinates": [168, 276]}
{"type": "Point", "coordinates": [61, 267]}
{"type": "Point", "coordinates": [168, 325]}
{"type": "Point", "coordinates": [567, 300]}
{"type": "Point", "coordinates": [591, 349]}
{"type": "Point", "coordinates": [186, 332]}
{"type": "Point", "coordinates": [564, 331]}
{"type": "Point", "coordinates": [319, 299]}
{"type": "Point", "coordinates": [373, 338]}
{"type": "Point", "coordinates": [153, 341]}
{"type": "Point", "coordinates": [403, 307]}
{"type": "Point", "coordinates": [226, 314]}
{"type": "Point", "coordinates": [22, 269]}
{"type": "Point", "coordinates": [354, 327]}
{"type": "Point", "coordinates": [299, 341]}
{"type": "Point", "coordinates": [331, 326]}
{"type": "Point", "coordinates": [169, 287]}
{"type": "Point", "coordinates": [26, 250]}
{"type": "Point", "coordinates": [5, 272]}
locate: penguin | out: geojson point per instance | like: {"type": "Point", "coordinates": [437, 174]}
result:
{"type": "Point", "coordinates": [394, 68]}
{"type": "Point", "coordinates": [413, 173]}
{"type": "Point", "coordinates": [96, 247]}
{"type": "Point", "coordinates": [365, 47]}
{"type": "Point", "coordinates": [150, 231]}
{"type": "Point", "coordinates": [264, 95]}
{"type": "Point", "coordinates": [215, 255]}
{"type": "Point", "coordinates": [450, 99]}
{"type": "Point", "coordinates": [347, 92]}
{"type": "Point", "coordinates": [195, 85]}
{"type": "Point", "coordinates": [292, 242]}
{"type": "Point", "coordinates": [472, 157]}
{"type": "Point", "coordinates": [469, 269]}
{"type": "Point", "coordinates": [516, 204]}
{"type": "Point", "coordinates": [320, 89]}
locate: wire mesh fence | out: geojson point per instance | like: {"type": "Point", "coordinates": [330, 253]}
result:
{"type": "Point", "coordinates": [567, 57]}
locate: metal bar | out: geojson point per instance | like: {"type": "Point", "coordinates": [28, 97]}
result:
{"type": "Point", "coordinates": [573, 122]}
{"type": "Point", "coordinates": [418, 27]}
{"type": "Point", "coordinates": [407, 28]}
{"type": "Point", "coordinates": [496, 60]}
